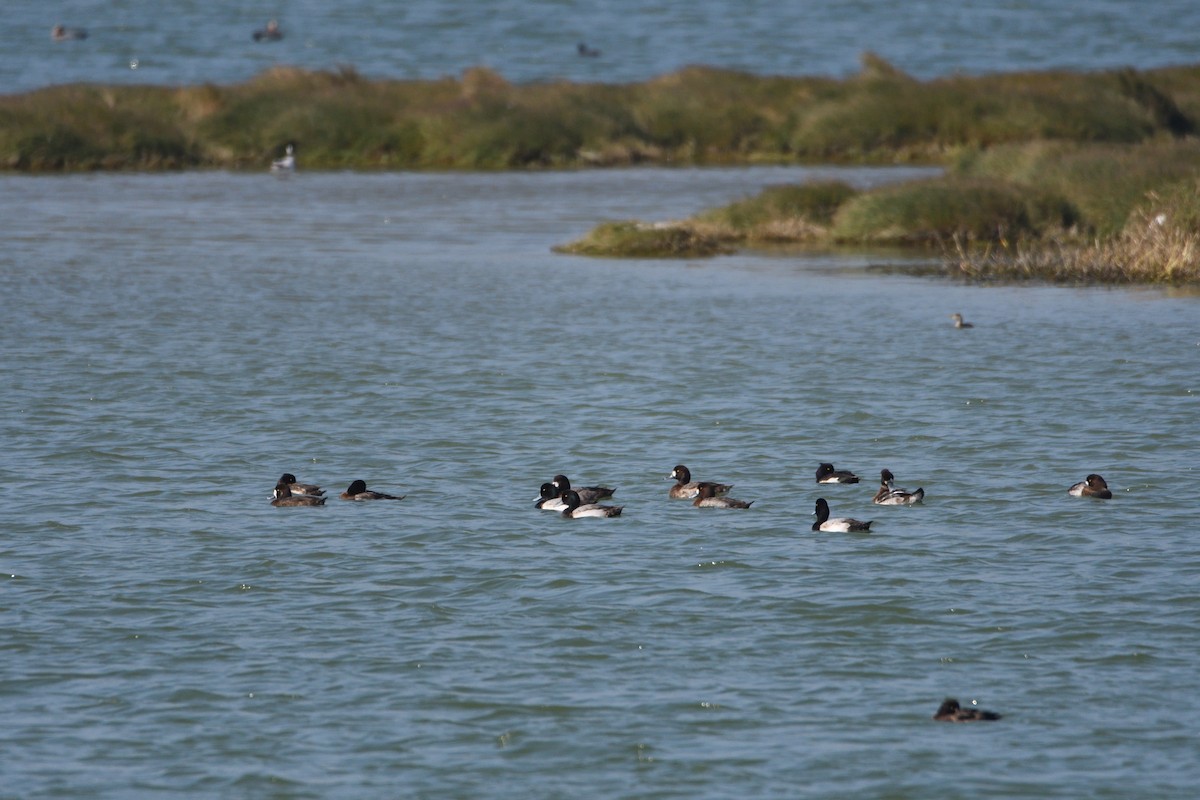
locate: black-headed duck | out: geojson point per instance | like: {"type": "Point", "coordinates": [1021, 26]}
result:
{"type": "Point", "coordinates": [587, 494]}
{"type": "Point", "coordinates": [283, 497]}
{"type": "Point", "coordinates": [827, 474]}
{"type": "Point", "coordinates": [951, 711]}
{"type": "Point", "coordinates": [707, 498]}
{"type": "Point", "coordinates": [1092, 486]}
{"type": "Point", "coordinates": [686, 489]}
{"type": "Point", "coordinates": [889, 495]}
{"type": "Point", "coordinates": [574, 508]}
{"type": "Point", "coordinates": [358, 491]}
{"type": "Point", "coordinates": [300, 488]}
{"type": "Point", "coordinates": [837, 524]}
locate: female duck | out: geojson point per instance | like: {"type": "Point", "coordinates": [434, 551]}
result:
{"type": "Point", "coordinates": [1092, 486]}
{"type": "Point", "coordinates": [358, 491]}
{"type": "Point", "coordinates": [836, 524]}
{"type": "Point", "coordinates": [959, 322]}
{"type": "Point", "coordinates": [707, 498]}
{"type": "Point", "coordinates": [889, 495]}
{"type": "Point", "coordinates": [587, 494]}
{"type": "Point", "coordinates": [951, 711]}
{"type": "Point", "coordinates": [827, 474]}
{"type": "Point", "coordinates": [283, 497]}
{"type": "Point", "coordinates": [575, 509]}
{"type": "Point", "coordinates": [685, 488]}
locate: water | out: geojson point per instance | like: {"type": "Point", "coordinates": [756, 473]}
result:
{"type": "Point", "coordinates": [172, 343]}
{"type": "Point", "coordinates": [189, 41]}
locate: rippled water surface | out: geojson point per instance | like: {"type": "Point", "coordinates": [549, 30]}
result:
{"type": "Point", "coordinates": [193, 41]}
{"type": "Point", "coordinates": [172, 343]}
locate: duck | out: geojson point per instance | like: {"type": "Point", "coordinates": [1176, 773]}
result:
{"type": "Point", "coordinates": [358, 491]}
{"type": "Point", "coordinates": [573, 508]}
{"type": "Point", "coordinates": [686, 489]}
{"type": "Point", "coordinates": [287, 163]}
{"type": "Point", "coordinates": [827, 474]}
{"type": "Point", "coordinates": [283, 497]}
{"type": "Point", "coordinates": [585, 51]}
{"type": "Point", "coordinates": [300, 488]}
{"type": "Point", "coordinates": [587, 494]}
{"type": "Point", "coordinates": [959, 322]}
{"type": "Point", "coordinates": [889, 495]}
{"type": "Point", "coordinates": [707, 498]}
{"type": "Point", "coordinates": [951, 711]}
{"type": "Point", "coordinates": [1092, 486]}
{"type": "Point", "coordinates": [61, 33]}
{"type": "Point", "coordinates": [549, 499]}
{"type": "Point", "coordinates": [837, 524]}
{"type": "Point", "coordinates": [271, 33]}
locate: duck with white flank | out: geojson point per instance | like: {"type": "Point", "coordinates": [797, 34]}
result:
{"type": "Point", "coordinates": [549, 499]}
{"type": "Point", "coordinates": [889, 495]}
{"type": "Point", "coordinates": [587, 494]}
{"type": "Point", "coordinates": [951, 711]}
{"type": "Point", "coordinates": [837, 524]}
{"type": "Point", "coordinates": [358, 491]}
{"type": "Point", "coordinates": [707, 498]}
{"type": "Point", "coordinates": [827, 474]}
{"type": "Point", "coordinates": [573, 508]}
{"type": "Point", "coordinates": [283, 497]}
{"type": "Point", "coordinates": [1092, 486]}
{"type": "Point", "coordinates": [287, 163]}
{"type": "Point", "coordinates": [685, 488]}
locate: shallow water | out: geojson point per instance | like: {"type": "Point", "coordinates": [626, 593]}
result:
{"type": "Point", "coordinates": [172, 343]}
{"type": "Point", "coordinates": [190, 42]}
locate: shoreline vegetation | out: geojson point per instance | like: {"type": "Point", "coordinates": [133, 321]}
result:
{"type": "Point", "coordinates": [1055, 175]}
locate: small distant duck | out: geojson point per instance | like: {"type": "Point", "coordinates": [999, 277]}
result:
{"type": "Point", "coordinates": [889, 495]}
{"type": "Point", "coordinates": [271, 33]}
{"type": "Point", "coordinates": [707, 498]}
{"type": "Point", "coordinates": [951, 711]}
{"type": "Point", "coordinates": [358, 491]}
{"type": "Point", "coordinates": [1092, 486]}
{"type": "Point", "coordinates": [61, 33]}
{"type": "Point", "coordinates": [300, 488]}
{"type": "Point", "coordinates": [287, 163]}
{"type": "Point", "coordinates": [283, 497]}
{"type": "Point", "coordinates": [685, 488]}
{"type": "Point", "coordinates": [827, 474]}
{"type": "Point", "coordinates": [959, 322]}
{"type": "Point", "coordinates": [574, 509]}
{"type": "Point", "coordinates": [836, 524]}
{"type": "Point", "coordinates": [585, 51]}
{"type": "Point", "coordinates": [587, 494]}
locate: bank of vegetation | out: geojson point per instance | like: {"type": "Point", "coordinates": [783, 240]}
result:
{"type": "Point", "coordinates": [1098, 170]}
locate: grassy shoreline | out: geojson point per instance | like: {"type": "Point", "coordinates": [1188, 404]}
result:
{"type": "Point", "coordinates": [1055, 175]}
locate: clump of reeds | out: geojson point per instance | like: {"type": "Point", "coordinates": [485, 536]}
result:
{"type": "Point", "coordinates": [631, 239]}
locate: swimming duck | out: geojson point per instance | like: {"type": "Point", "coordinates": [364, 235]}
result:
{"type": "Point", "coordinates": [827, 474]}
{"type": "Point", "coordinates": [61, 33]}
{"type": "Point", "coordinates": [358, 491]}
{"type": "Point", "coordinates": [573, 508]}
{"type": "Point", "coordinates": [1093, 486]}
{"type": "Point", "coordinates": [889, 495]}
{"type": "Point", "coordinates": [585, 51]}
{"type": "Point", "coordinates": [587, 494]}
{"type": "Point", "coordinates": [951, 711]}
{"type": "Point", "coordinates": [283, 497]}
{"type": "Point", "coordinates": [287, 163]}
{"type": "Point", "coordinates": [836, 524]}
{"type": "Point", "coordinates": [959, 323]}
{"type": "Point", "coordinates": [271, 33]}
{"type": "Point", "coordinates": [707, 498]}
{"type": "Point", "coordinates": [549, 499]}
{"type": "Point", "coordinates": [300, 488]}
{"type": "Point", "coordinates": [685, 488]}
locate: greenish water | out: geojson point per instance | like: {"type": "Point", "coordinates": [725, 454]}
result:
{"type": "Point", "coordinates": [172, 343]}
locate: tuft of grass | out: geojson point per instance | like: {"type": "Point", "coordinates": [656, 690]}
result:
{"type": "Point", "coordinates": [777, 209]}
{"type": "Point", "coordinates": [632, 239]}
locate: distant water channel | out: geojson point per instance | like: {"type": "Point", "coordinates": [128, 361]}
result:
{"type": "Point", "coordinates": [171, 344]}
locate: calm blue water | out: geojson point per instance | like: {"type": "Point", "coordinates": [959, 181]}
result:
{"type": "Point", "coordinates": [193, 41]}
{"type": "Point", "coordinates": [170, 344]}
